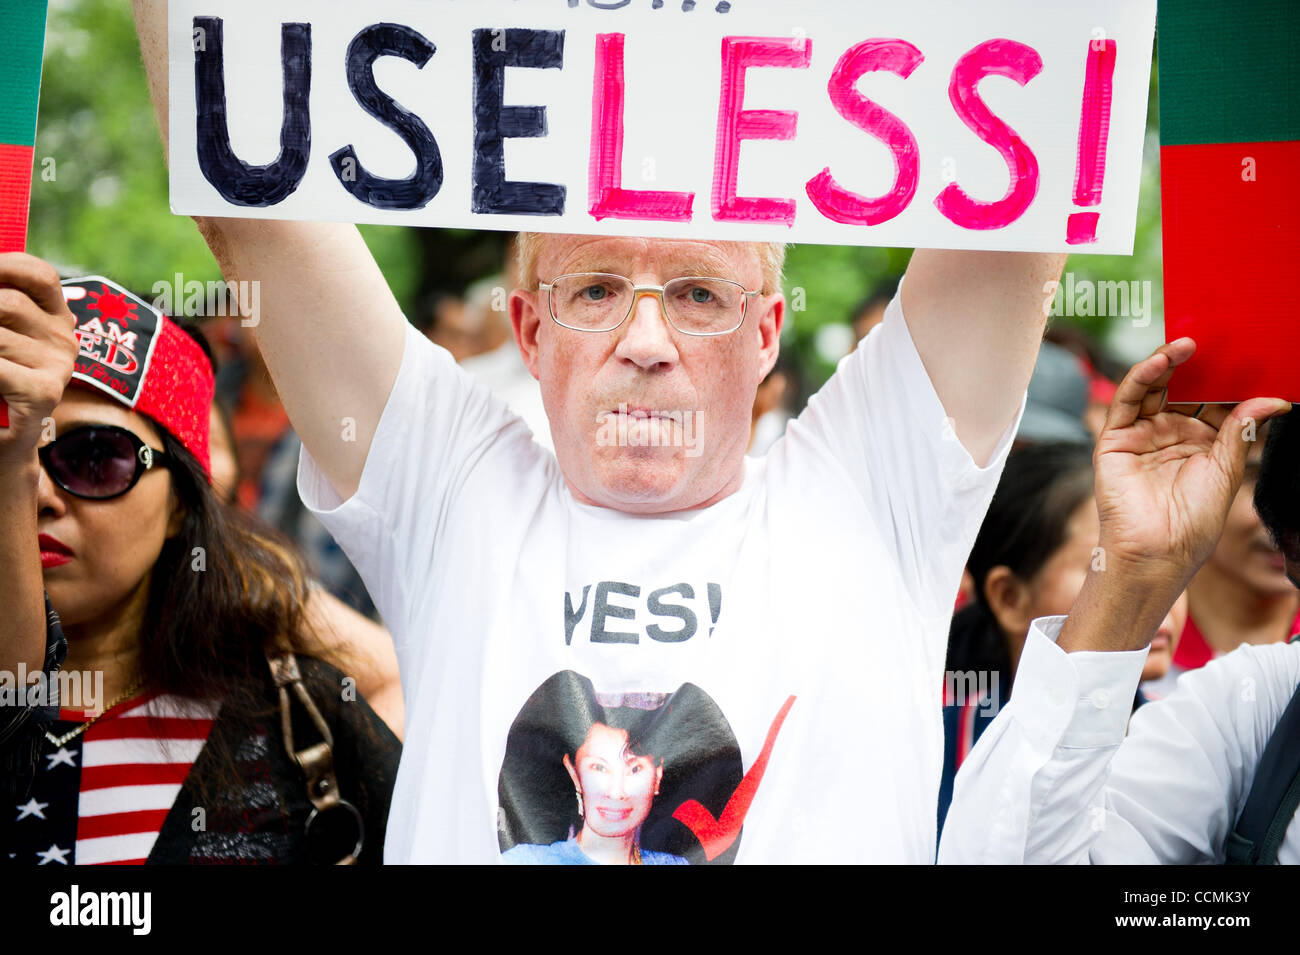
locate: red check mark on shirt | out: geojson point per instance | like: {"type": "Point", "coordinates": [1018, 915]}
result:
{"type": "Point", "coordinates": [717, 835]}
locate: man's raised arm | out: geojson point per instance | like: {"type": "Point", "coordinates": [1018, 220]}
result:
{"type": "Point", "coordinates": [977, 321]}
{"type": "Point", "coordinates": [329, 328]}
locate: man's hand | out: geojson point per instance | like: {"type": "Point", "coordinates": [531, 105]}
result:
{"type": "Point", "coordinates": [37, 351]}
{"type": "Point", "coordinates": [1165, 481]}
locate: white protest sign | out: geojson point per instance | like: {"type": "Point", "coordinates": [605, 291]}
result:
{"type": "Point", "coordinates": [1014, 125]}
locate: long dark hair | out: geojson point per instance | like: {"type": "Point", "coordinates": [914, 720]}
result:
{"type": "Point", "coordinates": [221, 593]}
{"type": "Point", "coordinates": [1277, 492]}
{"type": "Point", "coordinates": [1041, 486]}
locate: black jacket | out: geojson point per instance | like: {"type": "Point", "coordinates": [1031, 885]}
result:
{"type": "Point", "coordinates": [22, 728]}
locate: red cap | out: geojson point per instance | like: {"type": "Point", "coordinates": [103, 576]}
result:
{"type": "Point", "coordinates": [135, 354]}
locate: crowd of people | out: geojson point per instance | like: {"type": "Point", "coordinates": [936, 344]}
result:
{"type": "Point", "coordinates": [1024, 611]}
{"type": "Point", "coordinates": [193, 667]}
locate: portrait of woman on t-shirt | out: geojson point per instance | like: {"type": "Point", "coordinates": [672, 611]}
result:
{"type": "Point", "coordinates": [592, 779]}
{"type": "Point", "coordinates": [615, 787]}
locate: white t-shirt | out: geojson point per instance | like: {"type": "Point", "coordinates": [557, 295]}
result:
{"type": "Point", "coordinates": [504, 372]}
{"type": "Point", "coordinates": [822, 589]}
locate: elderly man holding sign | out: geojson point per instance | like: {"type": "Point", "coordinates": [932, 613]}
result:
{"type": "Point", "coordinates": [776, 628]}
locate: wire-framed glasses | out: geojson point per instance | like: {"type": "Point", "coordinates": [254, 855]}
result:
{"type": "Point", "coordinates": [601, 302]}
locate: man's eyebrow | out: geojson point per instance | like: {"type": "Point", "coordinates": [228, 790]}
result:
{"type": "Point", "coordinates": [706, 268]}
{"type": "Point", "coordinates": [581, 266]}
{"type": "Point", "coordinates": [703, 267]}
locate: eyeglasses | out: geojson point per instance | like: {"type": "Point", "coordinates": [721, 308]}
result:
{"type": "Point", "coordinates": [600, 302]}
{"type": "Point", "coordinates": [98, 462]}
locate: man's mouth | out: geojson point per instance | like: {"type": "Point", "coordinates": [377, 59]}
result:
{"type": "Point", "coordinates": [641, 412]}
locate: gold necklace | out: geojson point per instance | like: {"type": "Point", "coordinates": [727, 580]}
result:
{"type": "Point", "coordinates": [125, 695]}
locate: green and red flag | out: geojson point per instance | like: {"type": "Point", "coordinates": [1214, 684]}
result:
{"type": "Point", "coordinates": [1230, 189]}
{"type": "Point", "coordinates": [22, 41]}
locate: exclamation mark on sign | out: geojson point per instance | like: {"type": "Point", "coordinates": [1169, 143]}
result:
{"type": "Point", "coordinates": [1094, 127]}
{"type": "Point", "coordinates": [715, 604]}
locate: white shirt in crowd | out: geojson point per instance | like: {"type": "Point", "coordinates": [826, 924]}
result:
{"type": "Point", "coordinates": [1054, 779]}
{"type": "Point", "coordinates": [826, 583]}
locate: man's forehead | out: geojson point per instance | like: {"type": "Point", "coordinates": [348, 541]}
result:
{"type": "Point", "coordinates": [567, 253]}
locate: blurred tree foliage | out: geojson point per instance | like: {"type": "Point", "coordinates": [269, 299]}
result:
{"type": "Point", "coordinates": [99, 204]}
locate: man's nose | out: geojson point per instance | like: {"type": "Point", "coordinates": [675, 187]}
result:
{"type": "Point", "coordinates": [647, 339]}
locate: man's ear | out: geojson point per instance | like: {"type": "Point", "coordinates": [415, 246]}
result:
{"type": "Point", "coordinates": [771, 319]}
{"type": "Point", "coordinates": [1008, 598]}
{"type": "Point", "coordinates": [526, 320]}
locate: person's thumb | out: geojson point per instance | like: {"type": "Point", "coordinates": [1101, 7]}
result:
{"type": "Point", "coordinates": [1238, 433]}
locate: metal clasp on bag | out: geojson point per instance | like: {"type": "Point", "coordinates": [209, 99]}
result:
{"type": "Point", "coordinates": [316, 761]}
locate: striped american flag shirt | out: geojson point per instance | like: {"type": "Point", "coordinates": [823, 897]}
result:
{"type": "Point", "coordinates": [101, 797]}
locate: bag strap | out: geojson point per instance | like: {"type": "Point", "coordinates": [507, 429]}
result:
{"type": "Point", "coordinates": [316, 761]}
{"type": "Point", "coordinates": [1274, 795]}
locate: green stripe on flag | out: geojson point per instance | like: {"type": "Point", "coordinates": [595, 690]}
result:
{"type": "Point", "coordinates": [1229, 71]}
{"type": "Point", "coordinates": [22, 40]}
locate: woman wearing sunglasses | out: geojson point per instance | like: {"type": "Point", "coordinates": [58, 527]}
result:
{"type": "Point", "coordinates": [197, 739]}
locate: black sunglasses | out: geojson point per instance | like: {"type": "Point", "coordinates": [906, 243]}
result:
{"type": "Point", "coordinates": [98, 462]}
